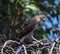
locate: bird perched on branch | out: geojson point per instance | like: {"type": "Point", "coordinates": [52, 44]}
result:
{"type": "Point", "coordinates": [29, 26]}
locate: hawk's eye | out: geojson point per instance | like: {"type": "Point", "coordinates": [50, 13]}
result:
{"type": "Point", "coordinates": [42, 18]}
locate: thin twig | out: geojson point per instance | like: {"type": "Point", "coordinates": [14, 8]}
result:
{"type": "Point", "coordinates": [7, 42]}
{"type": "Point", "coordinates": [18, 50]}
{"type": "Point", "coordinates": [24, 49]}
{"type": "Point", "coordinates": [52, 48]}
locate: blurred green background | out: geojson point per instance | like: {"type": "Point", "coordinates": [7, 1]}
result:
{"type": "Point", "coordinates": [13, 13]}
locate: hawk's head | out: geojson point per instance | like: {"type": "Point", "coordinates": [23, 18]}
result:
{"type": "Point", "coordinates": [40, 17]}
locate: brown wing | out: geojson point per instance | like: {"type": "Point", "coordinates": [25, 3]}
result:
{"type": "Point", "coordinates": [27, 29]}
{"type": "Point", "coordinates": [25, 23]}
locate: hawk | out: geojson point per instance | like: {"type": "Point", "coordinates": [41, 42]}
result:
{"type": "Point", "coordinates": [29, 26]}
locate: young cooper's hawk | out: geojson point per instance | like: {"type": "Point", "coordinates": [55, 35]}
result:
{"type": "Point", "coordinates": [30, 25]}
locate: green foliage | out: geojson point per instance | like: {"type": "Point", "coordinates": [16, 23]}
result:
{"type": "Point", "coordinates": [44, 51]}
{"type": "Point", "coordinates": [13, 13]}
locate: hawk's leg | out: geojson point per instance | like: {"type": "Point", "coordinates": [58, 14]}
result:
{"type": "Point", "coordinates": [28, 36]}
